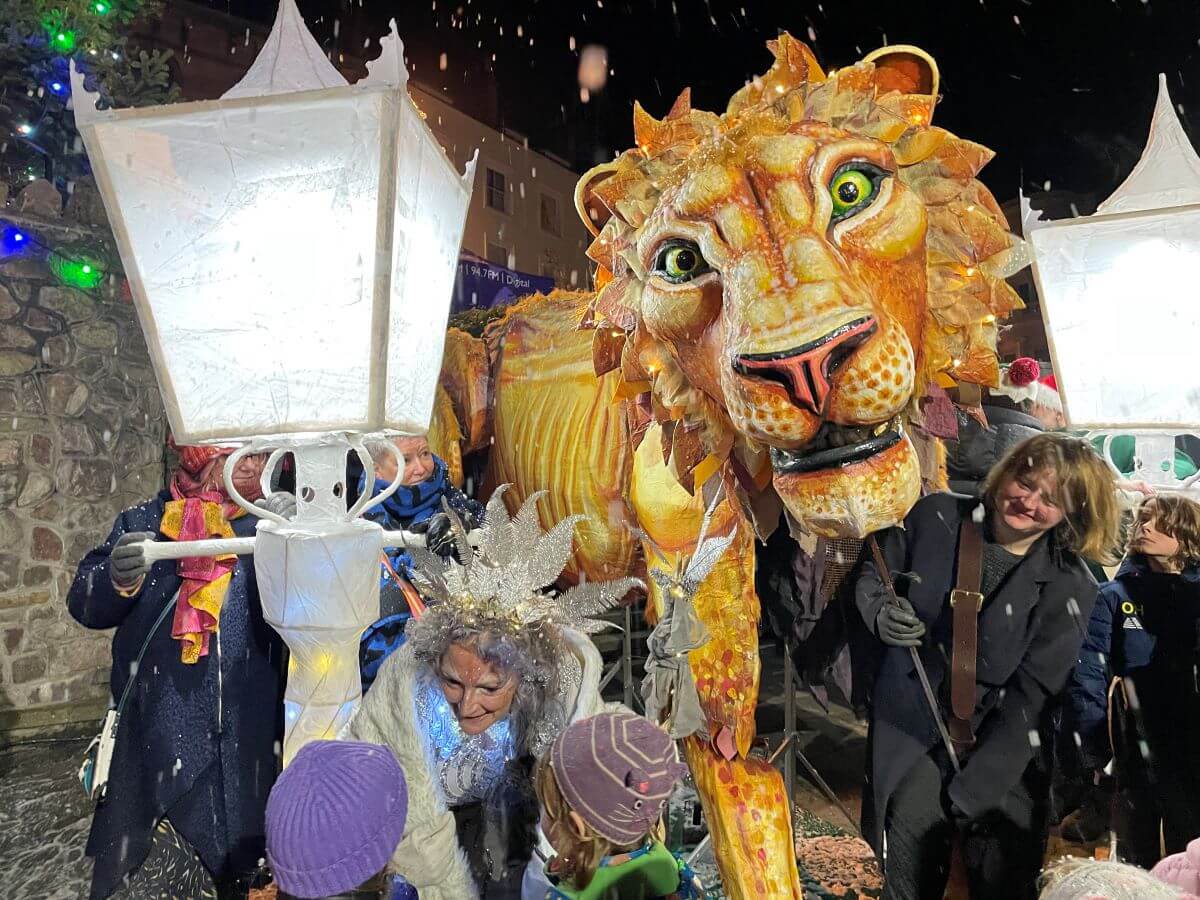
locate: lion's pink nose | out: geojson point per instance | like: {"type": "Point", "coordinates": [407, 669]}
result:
{"type": "Point", "coordinates": [805, 370]}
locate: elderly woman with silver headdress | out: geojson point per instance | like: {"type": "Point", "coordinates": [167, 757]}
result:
{"type": "Point", "coordinates": [489, 674]}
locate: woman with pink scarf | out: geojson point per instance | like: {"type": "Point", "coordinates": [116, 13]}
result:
{"type": "Point", "coordinates": [195, 752]}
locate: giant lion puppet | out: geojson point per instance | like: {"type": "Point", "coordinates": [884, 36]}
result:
{"type": "Point", "coordinates": [778, 287]}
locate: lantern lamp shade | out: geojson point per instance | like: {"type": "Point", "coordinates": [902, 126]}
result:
{"type": "Point", "coordinates": [291, 247]}
{"type": "Point", "coordinates": [1118, 292]}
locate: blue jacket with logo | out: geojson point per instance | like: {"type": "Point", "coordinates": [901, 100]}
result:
{"type": "Point", "coordinates": [1145, 627]}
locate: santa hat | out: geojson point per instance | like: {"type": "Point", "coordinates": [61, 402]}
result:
{"type": "Point", "coordinates": [1023, 380]}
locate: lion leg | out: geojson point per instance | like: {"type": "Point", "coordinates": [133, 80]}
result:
{"type": "Point", "coordinates": [749, 820]}
{"type": "Point", "coordinates": [744, 801]}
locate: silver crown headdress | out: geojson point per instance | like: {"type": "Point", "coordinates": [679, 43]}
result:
{"type": "Point", "coordinates": [504, 578]}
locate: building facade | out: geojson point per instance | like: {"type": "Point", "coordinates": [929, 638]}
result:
{"type": "Point", "coordinates": [522, 214]}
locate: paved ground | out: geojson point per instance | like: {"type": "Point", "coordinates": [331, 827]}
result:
{"type": "Point", "coordinates": [44, 818]}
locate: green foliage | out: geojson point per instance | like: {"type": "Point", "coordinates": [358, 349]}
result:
{"type": "Point", "coordinates": [38, 39]}
{"type": "Point", "coordinates": [474, 321]}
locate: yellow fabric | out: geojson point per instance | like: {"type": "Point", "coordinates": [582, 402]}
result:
{"type": "Point", "coordinates": [215, 522]}
{"type": "Point", "coordinates": [209, 598]}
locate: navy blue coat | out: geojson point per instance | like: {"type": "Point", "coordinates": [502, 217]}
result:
{"type": "Point", "coordinates": [197, 743]}
{"type": "Point", "coordinates": [1029, 637]}
{"type": "Point", "coordinates": [1145, 628]}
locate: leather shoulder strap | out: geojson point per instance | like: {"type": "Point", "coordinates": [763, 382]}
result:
{"type": "Point", "coordinates": [970, 556]}
{"type": "Point", "coordinates": [965, 601]}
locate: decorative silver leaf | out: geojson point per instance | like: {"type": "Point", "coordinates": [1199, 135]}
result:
{"type": "Point", "coordinates": [429, 574]}
{"type": "Point", "coordinates": [526, 525]}
{"type": "Point", "coordinates": [550, 554]}
{"type": "Point", "coordinates": [705, 558]}
{"type": "Point", "coordinates": [496, 507]}
{"type": "Point", "coordinates": [708, 514]}
{"type": "Point", "coordinates": [495, 536]}
{"type": "Point", "coordinates": [585, 601]}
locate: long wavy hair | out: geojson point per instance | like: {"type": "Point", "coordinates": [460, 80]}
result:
{"type": "Point", "coordinates": [532, 655]}
{"type": "Point", "coordinates": [1087, 491]}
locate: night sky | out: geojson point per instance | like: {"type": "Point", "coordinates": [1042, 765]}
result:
{"type": "Point", "coordinates": [1062, 90]}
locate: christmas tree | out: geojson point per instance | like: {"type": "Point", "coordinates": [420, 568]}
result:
{"type": "Point", "coordinates": [38, 40]}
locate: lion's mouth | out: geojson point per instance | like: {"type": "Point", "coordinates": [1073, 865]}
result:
{"type": "Point", "coordinates": [837, 445]}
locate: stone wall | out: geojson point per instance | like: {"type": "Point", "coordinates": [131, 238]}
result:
{"type": "Point", "coordinates": [82, 436]}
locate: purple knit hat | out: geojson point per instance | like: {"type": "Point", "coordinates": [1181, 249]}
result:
{"type": "Point", "coordinates": [334, 817]}
{"type": "Point", "coordinates": [616, 770]}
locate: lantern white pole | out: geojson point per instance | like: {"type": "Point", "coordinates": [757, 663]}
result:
{"type": "Point", "coordinates": [156, 550]}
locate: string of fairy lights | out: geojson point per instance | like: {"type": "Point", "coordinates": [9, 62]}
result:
{"type": "Point", "coordinates": [63, 40]}
{"type": "Point", "coordinates": [78, 269]}
{"type": "Point", "coordinates": [84, 269]}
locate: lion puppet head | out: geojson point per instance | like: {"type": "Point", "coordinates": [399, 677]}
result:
{"type": "Point", "coordinates": [781, 284]}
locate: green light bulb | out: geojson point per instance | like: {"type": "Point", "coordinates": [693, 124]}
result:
{"type": "Point", "coordinates": [76, 273]}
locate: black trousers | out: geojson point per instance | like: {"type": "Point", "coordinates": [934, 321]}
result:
{"type": "Point", "coordinates": [1002, 850]}
{"type": "Point", "coordinates": [1164, 794]}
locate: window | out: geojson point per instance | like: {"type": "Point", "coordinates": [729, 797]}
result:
{"type": "Point", "coordinates": [497, 255]}
{"type": "Point", "coordinates": [497, 190]}
{"type": "Point", "coordinates": [550, 220]}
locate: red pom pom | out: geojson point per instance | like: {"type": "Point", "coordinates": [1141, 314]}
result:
{"type": "Point", "coordinates": [1023, 371]}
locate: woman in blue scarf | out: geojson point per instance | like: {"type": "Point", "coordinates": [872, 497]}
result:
{"type": "Point", "coordinates": [415, 506]}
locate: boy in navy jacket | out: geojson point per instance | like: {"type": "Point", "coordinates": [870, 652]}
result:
{"type": "Point", "coordinates": [1145, 629]}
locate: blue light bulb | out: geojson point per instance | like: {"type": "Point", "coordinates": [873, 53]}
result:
{"type": "Point", "coordinates": [12, 240]}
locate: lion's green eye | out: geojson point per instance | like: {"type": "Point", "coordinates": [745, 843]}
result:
{"type": "Point", "coordinates": [853, 187]}
{"type": "Point", "coordinates": [679, 261]}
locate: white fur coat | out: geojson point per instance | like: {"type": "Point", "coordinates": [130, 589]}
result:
{"type": "Point", "coordinates": [428, 855]}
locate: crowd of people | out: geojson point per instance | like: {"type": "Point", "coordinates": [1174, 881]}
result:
{"type": "Point", "coordinates": [483, 761]}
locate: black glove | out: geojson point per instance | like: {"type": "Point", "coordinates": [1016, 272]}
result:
{"type": "Point", "coordinates": [127, 562]}
{"type": "Point", "coordinates": [898, 625]}
{"type": "Point", "coordinates": [439, 535]}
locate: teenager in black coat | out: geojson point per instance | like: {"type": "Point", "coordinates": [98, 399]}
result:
{"type": "Point", "coordinates": [1046, 503]}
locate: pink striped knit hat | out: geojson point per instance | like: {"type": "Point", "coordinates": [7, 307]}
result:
{"type": "Point", "coordinates": [616, 770]}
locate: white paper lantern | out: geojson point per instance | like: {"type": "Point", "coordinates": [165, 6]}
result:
{"type": "Point", "coordinates": [1118, 291]}
{"type": "Point", "coordinates": [291, 247]}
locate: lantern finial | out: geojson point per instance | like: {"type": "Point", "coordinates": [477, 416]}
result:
{"type": "Point", "coordinates": [83, 101]}
{"type": "Point", "coordinates": [388, 67]}
{"type": "Point", "coordinates": [1168, 174]}
{"type": "Point", "coordinates": [290, 60]}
